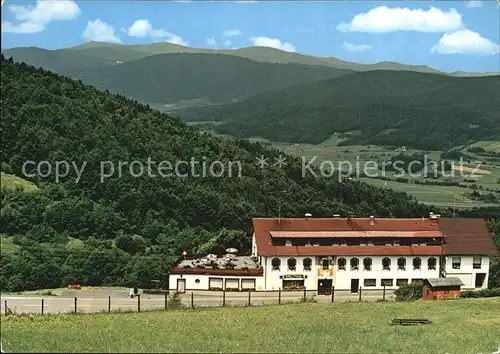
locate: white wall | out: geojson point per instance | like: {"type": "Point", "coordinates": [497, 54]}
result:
{"type": "Point", "coordinates": [342, 278]}
{"type": "Point", "coordinates": [467, 273]}
{"type": "Point", "coordinates": [203, 283]}
{"type": "Point", "coordinates": [272, 280]}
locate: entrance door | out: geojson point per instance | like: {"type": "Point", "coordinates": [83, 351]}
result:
{"type": "Point", "coordinates": [354, 285]}
{"type": "Point", "coordinates": [181, 285]}
{"type": "Point", "coordinates": [480, 277]}
{"type": "Point", "coordinates": [325, 286]}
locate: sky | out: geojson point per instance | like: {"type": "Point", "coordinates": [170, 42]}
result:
{"type": "Point", "coordinates": [446, 35]}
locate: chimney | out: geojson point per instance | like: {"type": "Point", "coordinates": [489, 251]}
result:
{"type": "Point", "coordinates": [308, 215]}
{"type": "Point", "coordinates": [336, 216]}
{"type": "Point", "coordinates": [372, 220]}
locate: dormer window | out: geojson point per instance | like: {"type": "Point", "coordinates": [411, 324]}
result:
{"type": "Point", "coordinates": [325, 264]}
{"type": "Point", "coordinates": [386, 263]}
{"type": "Point", "coordinates": [307, 264]}
{"type": "Point", "coordinates": [276, 263]}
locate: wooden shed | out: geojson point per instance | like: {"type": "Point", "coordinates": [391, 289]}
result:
{"type": "Point", "coordinates": [441, 288]}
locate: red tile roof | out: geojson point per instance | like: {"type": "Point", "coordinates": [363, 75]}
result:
{"type": "Point", "coordinates": [468, 237]}
{"type": "Point", "coordinates": [463, 236]}
{"type": "Point", "coordinates": [357, 250]}
{"type": "Point", "coordinates": [208, 271]}
{"type": "Point", "coordinates": [360, 234]}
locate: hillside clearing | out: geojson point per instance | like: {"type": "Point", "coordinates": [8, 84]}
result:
{"type": "Point", "coordinates": [463, 326]}
{"type": "Point", "coordinates": [12, 182]}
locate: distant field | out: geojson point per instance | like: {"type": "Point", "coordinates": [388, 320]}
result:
{"type": "Point", "coordinates": [459, 326]}
{"type": "Point", "coordinates": [11, 181]}
{"type": "Point", "coordinates": [488, 145]}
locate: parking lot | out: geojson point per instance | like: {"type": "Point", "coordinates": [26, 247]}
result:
{"type": "Point", "coordinates": [117, 300]}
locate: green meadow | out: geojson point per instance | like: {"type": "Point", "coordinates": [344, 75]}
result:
{"type": "Point", "coordinates": [458, 326]}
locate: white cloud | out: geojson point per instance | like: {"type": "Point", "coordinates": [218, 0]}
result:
{"type": "Point", "coordinates": [465, 42]}
{"type": "Point", "coordinates": [100, 31]}
{"type": "Point", "coordinates": [142, 28]}
{"type": "Point", "coordinates": [35, 18]}
{"type": "Point", "coordinates": [227, 43]}
{"type": "Point", "coordinates": [232, 33]}
{"type": "Point", "coordinates": [474, 3]}
{"type": "Point", "coordinates": [384, 19]}
{"type": "Point", "coordinates": [211, 41]}
{"type": "Point", "coordinates": [356, 47]}
{"type": "Point", "coordinates": [273, 43]}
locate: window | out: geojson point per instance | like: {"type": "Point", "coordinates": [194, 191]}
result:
{"type": "Point", "coordinates": [276, 263]}
{"type": "Point", "coordinates": [387, 282]}
{"type": "Point", "coordinates": [292, 263]}
{"type": "Point", "coordinates": [395, 243]}
{"type": "Point", "coordinates": [416, 281]}
{"type": "Point", "coordinates": [307, 263]}
{"type": "Point", "coordinates": [288, 243]}
{"type": "Point", "coordinates": [370, 282]}
{"type": "Point", "coordinates": [342, 263]}
{"type": "Point", "coordinates": [431, 263]}
{"type": "Point", "coordinates": [386, 263]}
{"type": "Point", "coordinates": [197, 281]}
{"type": "Point", "coordinates": [400, 282]}
{"type": "Point", "coordinates": [367, 264]}
{"type": "Point", "coordinates": [476, 263]}
{"type": "Point", "coordinates": [401, 263]}
{"type": "Point", "coordinates": [417, 263]}
{"type": "Point", "coordinates": [325, 263]}
{"type": "Point", "coordinates": [354, 264]}
{"type": "Point", "coordinates": [455, 262]}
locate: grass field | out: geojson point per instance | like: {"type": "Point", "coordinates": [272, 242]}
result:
{"type": "Point", "coordinates": [460, 326]}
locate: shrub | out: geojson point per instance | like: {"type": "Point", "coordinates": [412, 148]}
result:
{"type": "Point", "coordinates": [409, 292]}
{"type": "Point", "coordinates": [174, 301]}
{"type": "Point", "coordinates": [480, 293]}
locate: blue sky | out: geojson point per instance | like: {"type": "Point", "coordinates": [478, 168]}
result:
{"type": "Point", "coordinates": [447, 35]}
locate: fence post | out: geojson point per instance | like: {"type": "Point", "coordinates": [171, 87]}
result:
{"type": "Point", "coordinates": [166, 301]}
{"type": "Point", "coordinates": [383, 296]}
{"type": "Point", "coordinates": [223, 297]}
{"type": "Point", "coordinates": [333, 293]}
{"type": "Point", "coordinates": [138, 302]}
{"type": "Point", "coordinates": [279, 296]}
{"type": "Point", "coordinates": [109, 304]}
{"type": "Point", "coordinates": [5, 308]}
{"type": "Point", "coordinates": [249, 300]}
{"type": "Point", "coordinates": [42, 307]}
{"type": "Point", "coordinates": [192, 300]}
{"type": "Point", "coordinates": [359, 294]}
{"type": "Point", "coordinates": [305, 293]}
{"type": "Point", "coordinates": [75, 305]}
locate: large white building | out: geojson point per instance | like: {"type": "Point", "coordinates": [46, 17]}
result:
{"type": "Point", "coordinates": [346, 253]}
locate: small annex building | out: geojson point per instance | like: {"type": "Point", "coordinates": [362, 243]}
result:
{"type": "Point", "coordinates": [441, 288]}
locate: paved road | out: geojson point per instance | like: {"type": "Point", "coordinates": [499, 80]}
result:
{"type": "Point", "coordinates": [95, 301]}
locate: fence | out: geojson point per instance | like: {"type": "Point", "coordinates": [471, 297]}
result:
{"type": "Point", "coordinates": [190, 299]}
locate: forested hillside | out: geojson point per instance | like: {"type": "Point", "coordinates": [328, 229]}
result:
{"type": "Point", "coordinates": [424, 111]}
{"type": "Point", "coordinates": [169, 78]}
{"type": "Point", "coordinates": [129, 229]}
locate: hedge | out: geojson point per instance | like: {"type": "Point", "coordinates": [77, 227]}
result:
{"type": "Point", "coordinates": [481, 293]}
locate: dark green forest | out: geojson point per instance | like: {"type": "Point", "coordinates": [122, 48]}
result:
{"type": "Point", "coordinates": [133, 228]}
{"type": "Point", "coordinates": [424, 111]}
{"type": "Point", "coordinates": [128, 230]}
{"type": "Point", "coordinates": [218, 78]}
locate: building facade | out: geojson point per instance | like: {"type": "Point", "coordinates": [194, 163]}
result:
{"type": "Point", "coordinates": [348, 253]}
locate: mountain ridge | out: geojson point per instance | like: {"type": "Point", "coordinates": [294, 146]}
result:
{"type": "Point", "coordinates": [264, 54]}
